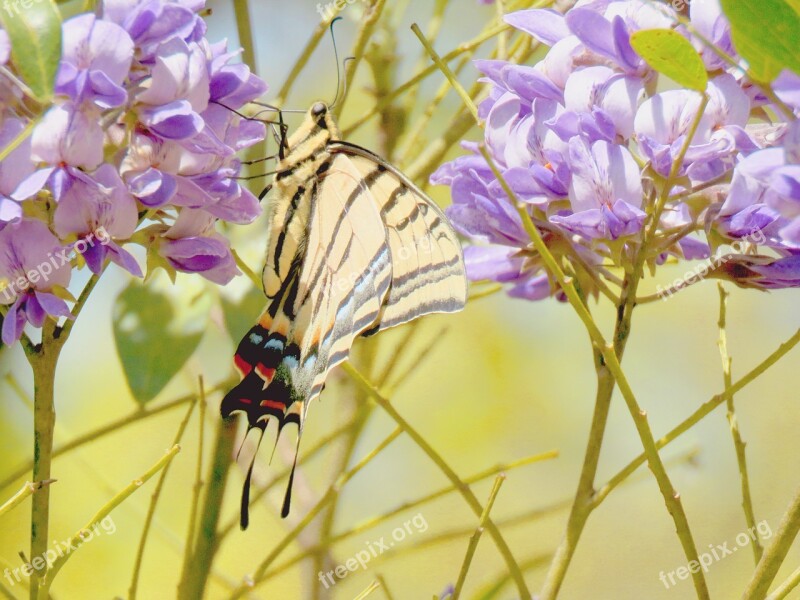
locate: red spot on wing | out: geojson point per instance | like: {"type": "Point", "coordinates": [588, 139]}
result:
{"type": "Point", "coordinates": [264, 372]}
{"type": "Point", "coordinates": [245, 400]}
{"type": "Point", "coordinates": [242, 365]}
{"type": "Point", "coordinates": [273, 404]}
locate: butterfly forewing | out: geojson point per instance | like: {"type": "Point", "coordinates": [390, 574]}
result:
{"type": "Point", "coordinates": [427, 264]}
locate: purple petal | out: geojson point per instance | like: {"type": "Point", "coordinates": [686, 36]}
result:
{"type": "Point", "coordinates": [497, 263]}
{"type": "Point", "coordinates": [173, 121]}
{"type": "Point", "coordinates": [124, 259]}
{"type": "Point", "coordinates": [34, 311]}
{"type": "Point", "coordinates": [152, 187]}
{"type": "Point", "coordinates": [95, 257]}
{"type": "Point", "coordinates": [53, 305]}
{"type": "Point", "coordinates": [545, 25]}
{"type": "Point", "coordinates": [13, 323]}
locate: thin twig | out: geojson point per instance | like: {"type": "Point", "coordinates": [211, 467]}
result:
{"type": "Point", "coordinates": [375, 521]}
{"type": "Point", "coordinates": [384, 587]}
{"type": "Point", "coordinates": [462, 487]}
{"type": "Point", "coordinates": [27, 490]}
{"type": "Point", "coordinates": [106, 510]}
{"type": "Point", "coordinates": [151, 511]}
{"type": "Point", "coordinates": [475, 538]}
{"type": "Point", "coordinates": [198, 479]}
{"type": "Point", "coordinates": [775, 553]}
{"type": "Point", "coordinates": [107, 429]}
{"type": "Point", "coordinates": [445, 69]}
{"type": "Point", "coordinates": [738, 443]}
{"type": "Point", "coordinates": [332, 491]}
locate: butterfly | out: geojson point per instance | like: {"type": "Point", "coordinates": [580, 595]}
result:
{"type": "Point", "coordinates": [354, 247]}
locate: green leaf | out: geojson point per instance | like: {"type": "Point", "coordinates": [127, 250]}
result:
{"type": "Point", "coordinates": [765, 33]}
{"type": "Point", "coordinates": [157, 327]}
{"type": "Point", "coordinates": [241, 316]}
{"type": "Point", "coordinates": [34, 27]}
{"type": "Point", "coordinates": [672, 55]}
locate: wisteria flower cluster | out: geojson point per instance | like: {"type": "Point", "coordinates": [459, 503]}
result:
{"type": "Point", "coordinates": [139, 146]}
{"type": "Point", "coordinates": [587, 137]}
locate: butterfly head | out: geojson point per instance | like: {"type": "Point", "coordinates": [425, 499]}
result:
{"type": "Point", "coordinates": [321, 115]}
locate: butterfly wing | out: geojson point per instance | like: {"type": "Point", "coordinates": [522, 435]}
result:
{"type": "Point", "coordinates": [428, 273]}
{"type": "Point", "coordinates": [354, 247]}
{"type": "Point", "coordinates": [327, 275]}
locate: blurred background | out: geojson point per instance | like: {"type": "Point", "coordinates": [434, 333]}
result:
{"type": "Point", "coordinates": [503, 380]}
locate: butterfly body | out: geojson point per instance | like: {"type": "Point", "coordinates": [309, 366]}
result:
{"type": "Point", "coordinates": [354, 247]}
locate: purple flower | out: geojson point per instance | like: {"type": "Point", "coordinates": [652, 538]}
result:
{"type": "Point", "coordinates": [760, 272]}
{"type": "Point", "coordinates": [153, 22]}
{"type": "Point", "coordinates": [13, 170]}
{"type": "Point", "coordinates": [663, 122]}
{"type": "Point", "coordinates": [192, 246]}
{"type": "Point", "coordinates": [98, 214]}
{"type": "Point", "coordinates": [708, 20]}
{"type": "Point", "coordinates": [95, 61]}
{"type": "Point", "coordinates": [32, 262]}
{"type": "Point", "coordinates": [606, 191]}
{"type": "Point", "coordinates": [68, 139]}
{"type": "Point", "coordinates": [232, 84]}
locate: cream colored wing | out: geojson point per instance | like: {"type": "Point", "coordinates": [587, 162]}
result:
{"type": "Point", "coordinates": [428, 273]}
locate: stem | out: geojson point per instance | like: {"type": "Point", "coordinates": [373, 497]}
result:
{"type": "Point", "coordinates": [705, 409]}
{"type": "Point", "coordinates": [194, 578]}
{"type": "Point", "coordinates": [738, 443]}
{"type": "Point", "coordinates": [386, 591]}
{"type": "Point", "coordinates": [775, 553]}
{"type": "Point", "coordinates": [198, 480]}
{"type": "Point", "coordinates": [582, 505]}
{"type": "Point", "coordinates": [43, 364]}
{"type": "Point", "coordinates": [473, 541]}
{"type": "Point", "coordinates": [671, 497]}
{"type": "Point", "coordinates": [787, 586]}
{"type": "Point", "coordinates": [462, 487]}
{"type": "Point", "coordinates": [243, 29]}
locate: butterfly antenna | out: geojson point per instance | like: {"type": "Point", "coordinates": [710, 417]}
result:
{"type": "Point", "coordinates": [244, 519]}
{"type": "Point", "coordinates": [287, 500]}
{"type": "Point", "coordinates": [338, 69]}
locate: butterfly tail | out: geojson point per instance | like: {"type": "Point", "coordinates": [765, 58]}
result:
{"type": "Point", "coordinates": [264, 360]}
{"type": "Point", "coordinates": [244, 517]}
